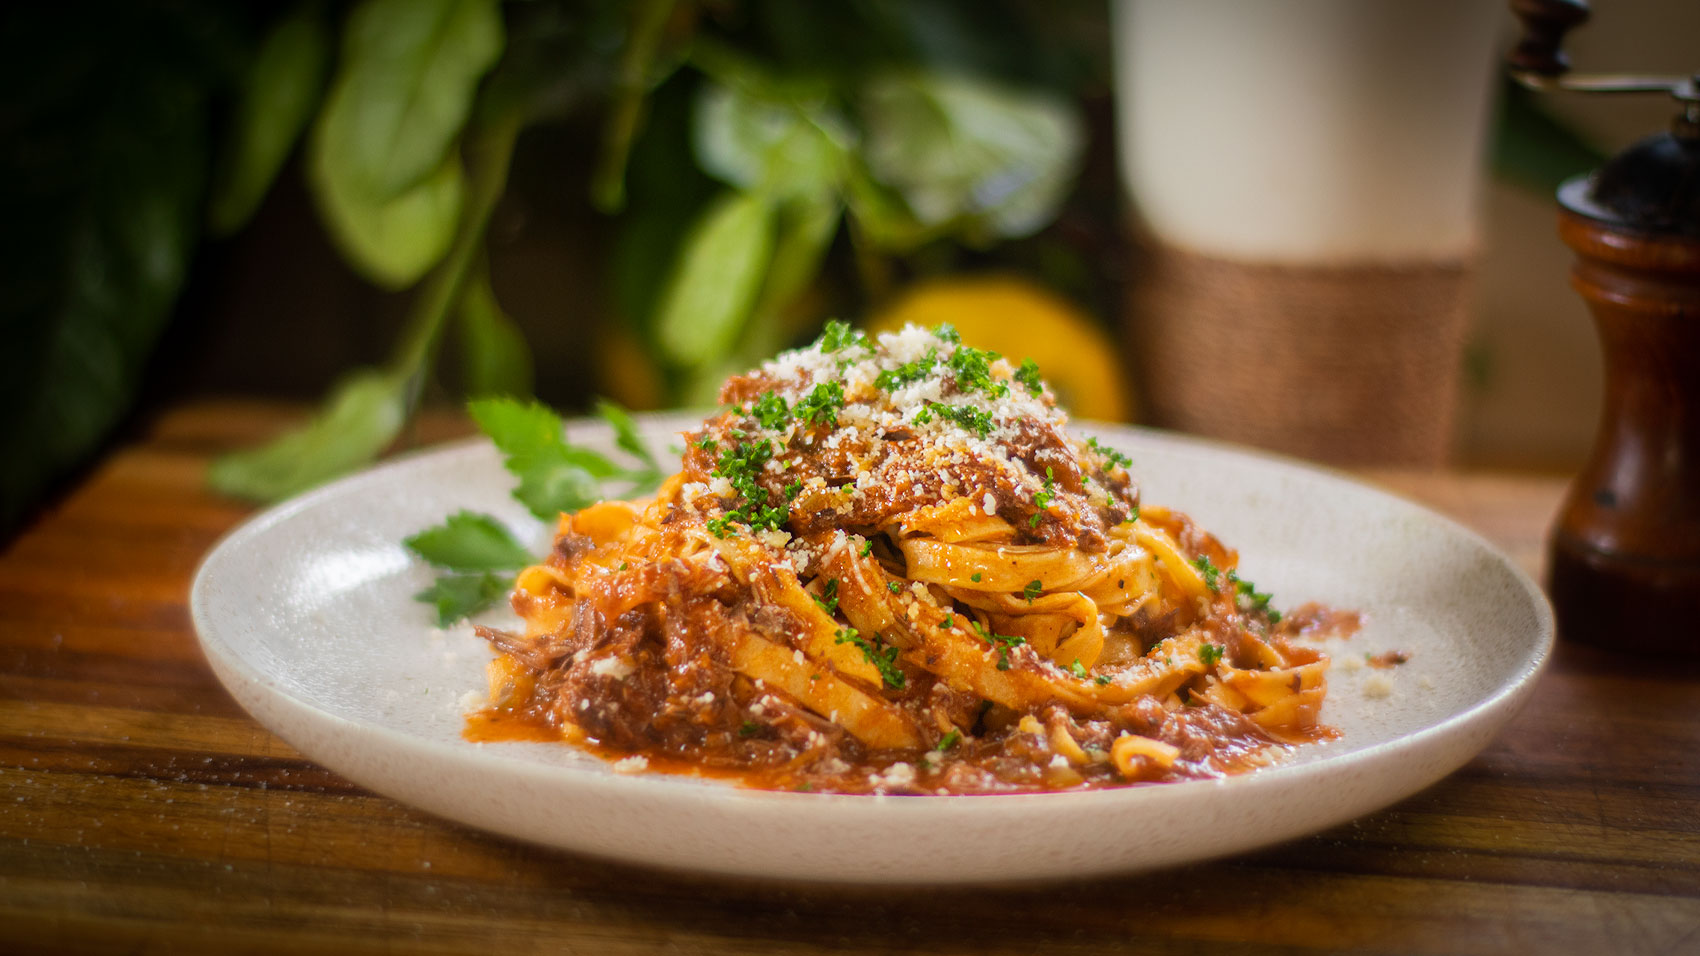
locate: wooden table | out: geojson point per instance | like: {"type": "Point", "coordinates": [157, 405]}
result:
{"type": "Point", "coordinates": [141, 810]}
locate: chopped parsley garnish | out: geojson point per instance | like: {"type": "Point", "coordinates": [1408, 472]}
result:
{"type": "Point", "coordinates": [908, 373]}
{"type": "Point", "coordinates": [771, 411]}
{"type": "Point", "coordinates": [973, 368]}
{"type": "Point", "coordinates": [965, 417]}
{"type": "Point", "coordinates": [839, 335]}
{"type": "Point", "coordinates": [1003, 642]}
{"type": "Point", "coordinates": [1028, 375]}
{"type": "Point", "coordinates": [707, 443]}
{"type": "Point", "coordinates": [945, 332]}
{"type": "Point", "coordinates": [883, 659]}
{"type": "Point", "coordinates": [893, 586]}
{"type": "Point", "coordinates": [1043, 499]}
{"type": "Point", "coordinates": [975, 577]}
{"type": "Point", "coordinates": [948, 623]}
{"type": "Point", "coordinates": [749, 729]}
{"type": "Point", "coordinates": [1032, 590]}
{"type": "Point", "coordinates": [1249, 598]}
{"type": "Point", "coordinates": [1110, 454]}
{"type": "Point", "coordinates": [1209, 654]}
{"type": "Point", "coordinates": [1101, 679]}
{"type": "Point", "coordinates": [1077, 670]}
{"type": "Point", "coordinates": [1132, 516]}
{"type": "Point", "coordinates": [740, 466]}
{"type": "Point", "coordinates": [821, 406]}
{"type": "Point", "coordinates": [867, 546]}
{"type": "Point", "coordinates": [828, 600]}
{"type": "Point", "coordinates": [949, 740]}
{"type": "Point", "coordinates": [1211, 572]}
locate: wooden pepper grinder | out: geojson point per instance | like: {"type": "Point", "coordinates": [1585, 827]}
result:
{"type": "Point", "coordinates": [1625, 553]}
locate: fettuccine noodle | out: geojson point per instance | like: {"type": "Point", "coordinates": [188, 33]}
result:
{"type": "Point", "coordinates": [886, 566]}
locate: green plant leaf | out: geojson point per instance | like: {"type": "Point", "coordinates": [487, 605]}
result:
{"type": "Point", "coordinates": [462, 595]}
{"type": "Point", "coordinates": [277, 99]}
{"type": "Point", "coordinates": [409, 71]}
{"type": "Point", "coordinates": [633, 82]}
{"type": "Point", "coordinates": [882, 217]}
{"type": "Point", "coordinates": [786, 142]}
{"type": "Point", "coordinates": [806, 225]}
{"type": "Point", "coordinates": [715, 280]}
{"type": "Point", "coordinates": [359, 419]}
{"type": "Point", "coordinates": [469, 541]}
{"type": "Point", "coordinates": [106, 165]}
{"type": "Point", "coordinates": [495, 359]}
{"type": "Point", "coordinates": [395, 242]}
{"type": "Point", "coordinates": [985, 160]}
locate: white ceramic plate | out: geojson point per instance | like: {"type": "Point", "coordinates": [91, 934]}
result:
{"type": "Point", "coordinates": [306, 614]}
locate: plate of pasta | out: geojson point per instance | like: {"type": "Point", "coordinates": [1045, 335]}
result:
{"type": "Point", "coordinates": [892, 617]}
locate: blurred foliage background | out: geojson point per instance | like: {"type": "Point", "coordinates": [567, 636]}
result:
{"type": "Point", "coordinates": [387, 202]}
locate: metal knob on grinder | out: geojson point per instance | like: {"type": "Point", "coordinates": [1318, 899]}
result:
{"type": "Point", "coordinates": [1625, 552]}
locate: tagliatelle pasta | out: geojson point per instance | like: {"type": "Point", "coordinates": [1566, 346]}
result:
{"type": "Point", "coordinates": [887, 566]}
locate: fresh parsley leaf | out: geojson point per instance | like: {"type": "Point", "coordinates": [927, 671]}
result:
{"type": "Point", "coordinates": [626, 434]}
{"type": "Point", "coordinates": [741, 467]}
{"type": "Point", "coordinates": [461, 595]}
{"type": "Point", "coordinates": [1101, 679]}
{"type": "Point", "coordinates": [1077, 670]}
{"type": "Point", "coordinates": [468, 541]}
{"type": "Point", "coordinates": [1003, 643]}
{"type": "Point", "coordinates": [973, 369]}
{"type": "Point", "coordinates": [1109, 454]}
{"type": "Point", "coordinates": [867, 546]}
{"type": "Point", "coordinates": [945, 332]}
{"type": "Point", "coordinates": [1032, 590]}
{"type": "Point", "coordinates": [839, 335]}
{"type": "Point", "coordinates": [975, 577]}
{"type": "Point", "coordinates": [1043, 499]}
{"type": "Point", "coordinates": [908, 373]}
{"type": "Point", "coordinates": [1211, 572]}
{"type": "Point", "coordinates": [821, 406]}
{"type": "Point", "coordinates": [553, 477]}
{"type": "Point", "coordinates": [1209, 654]}
{"type": "Point", "coordinates": [1028, 375]}
{"type": "Point", "coordinates": [893, 586]}
{"type": "Point", "coordinates": [828, 600]}
{"type": "Point", "coordinates": [966, 417]}
{"type": "Point", "coordinates": [949, 740]}
{"type": "Point", "coordinates": [1250, 599]}
{"type": "Point", "coordinates": [749, 728]}
{"type": "Point", "coordinates": [771, 411]}
{"type": "Point", "coordinates": [884, 659]}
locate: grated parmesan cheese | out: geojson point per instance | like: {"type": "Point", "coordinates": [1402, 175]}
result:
{"type": "Point", "coordinates": [614, 667]}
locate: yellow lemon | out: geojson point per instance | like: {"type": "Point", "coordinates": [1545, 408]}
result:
{"type": "Point", "coordinates": [1021, 321]}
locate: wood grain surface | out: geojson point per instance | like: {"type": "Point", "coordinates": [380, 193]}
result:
{"type": "Point", "coordinates": [142, 811]}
